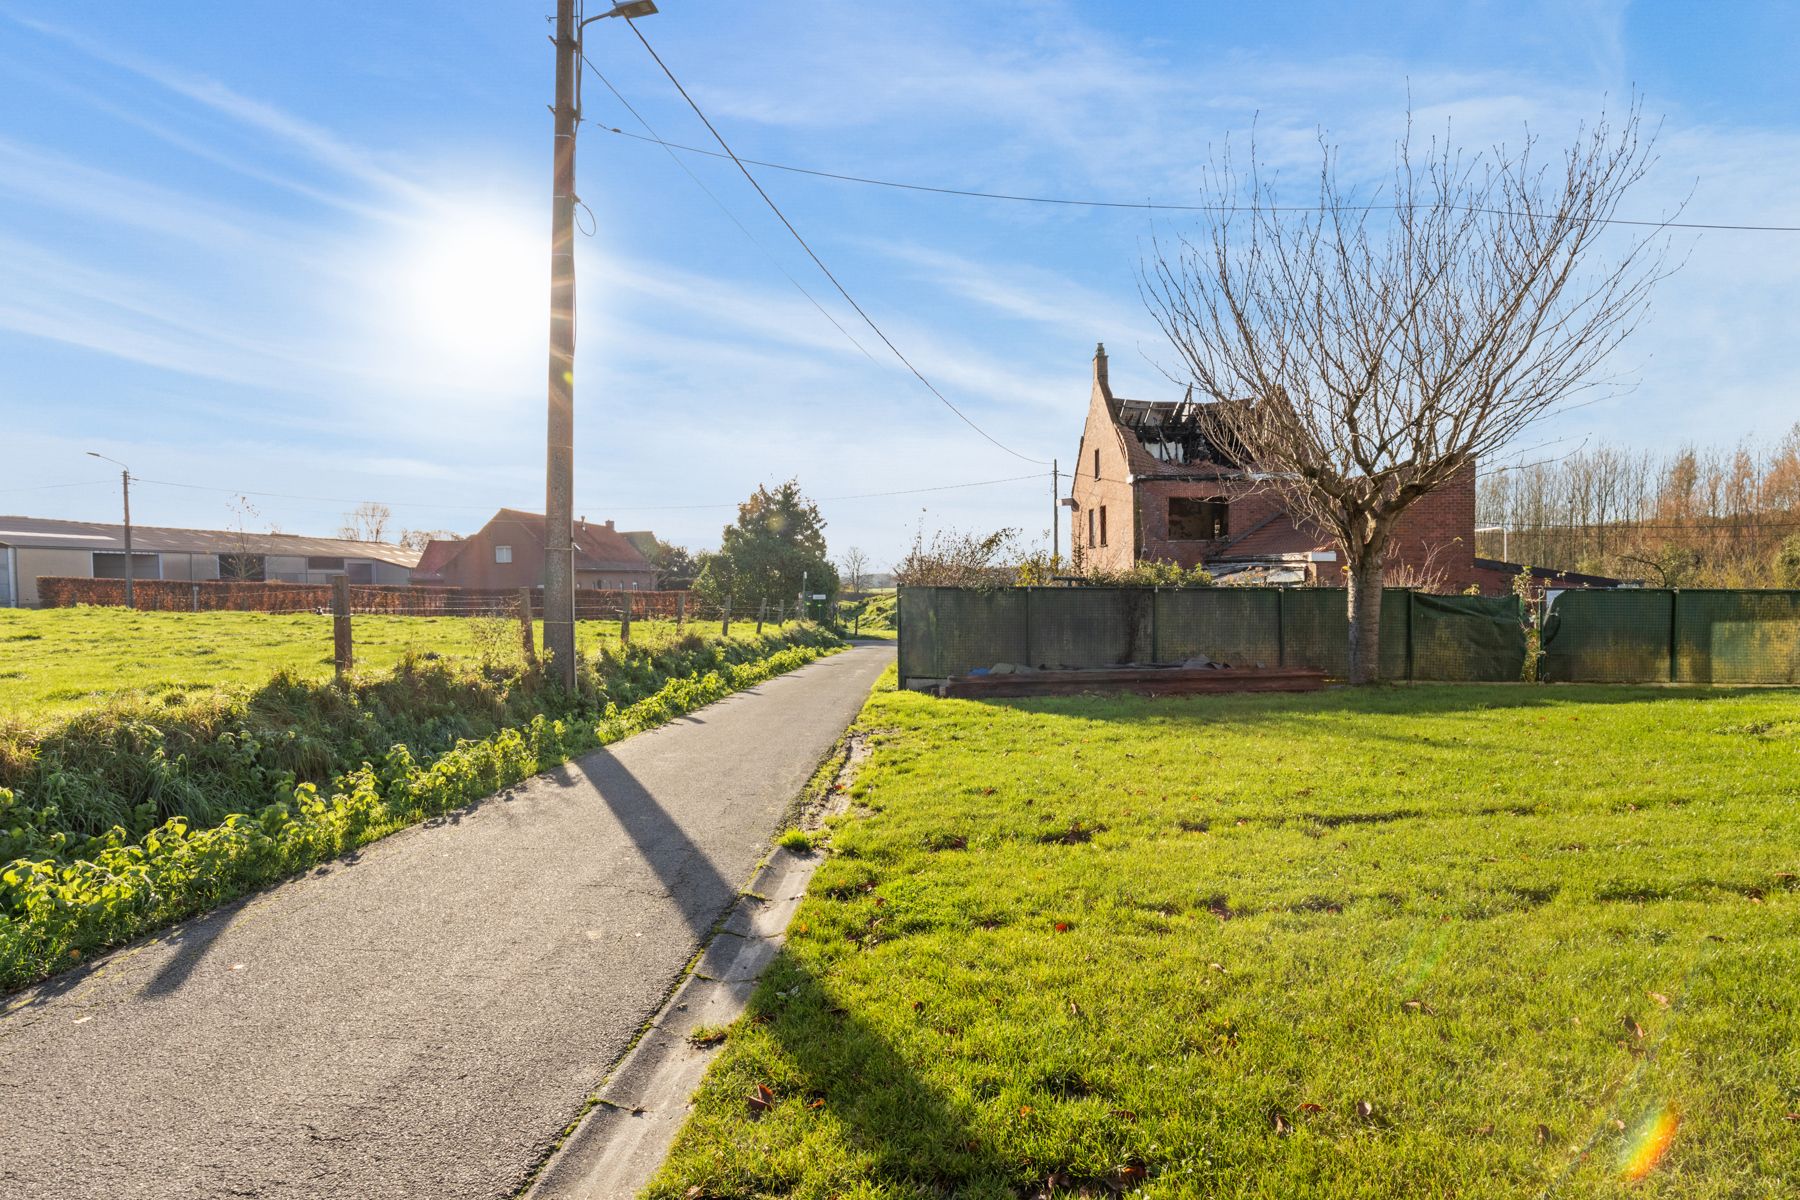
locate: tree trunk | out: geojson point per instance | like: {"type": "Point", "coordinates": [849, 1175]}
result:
{"type": "Point", "coordinates": [1365, 617]}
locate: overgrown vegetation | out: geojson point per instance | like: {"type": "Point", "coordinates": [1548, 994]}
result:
{"type": "Point", "coordinates": [130, 815]}
{"type": "Point", "coordinates": [1432, 941]}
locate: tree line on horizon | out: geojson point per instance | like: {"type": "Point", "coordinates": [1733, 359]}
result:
{"type": "Point", "coordinates": [1696, 516]}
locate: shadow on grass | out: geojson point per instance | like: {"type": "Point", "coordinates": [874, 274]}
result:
{"type": "Point", "coordinates": [835, 1078]}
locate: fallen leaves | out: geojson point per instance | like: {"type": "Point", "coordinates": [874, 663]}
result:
{"type": "Point", "coordinates": [1658, 999]}
{"type": "Point", "coordinates": [760, 1101]}
{"type": "Point", "coordinates": [1632, 1027]}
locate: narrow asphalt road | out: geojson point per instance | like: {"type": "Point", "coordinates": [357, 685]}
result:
{"type": "Point", "coordinates": [423, 1019]}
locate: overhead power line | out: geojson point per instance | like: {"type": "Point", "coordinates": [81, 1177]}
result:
{"type": "Point", "coordinates": [731, 216]}
{"type": "Point", "coordinates": [1147, 205]}
{"type": "Point", "coordinates": [819, 262]}
{"type": "Point", "coordinates": [404, 504]}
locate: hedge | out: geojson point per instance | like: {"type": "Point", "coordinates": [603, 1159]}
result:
{"type": "Point", "coordinates": [255, 595]}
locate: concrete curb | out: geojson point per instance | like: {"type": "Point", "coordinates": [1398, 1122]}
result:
{"type": "Point", "coordinates": [621, 1141]}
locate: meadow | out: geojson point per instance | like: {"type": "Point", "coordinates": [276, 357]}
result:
{"type": "Point", "coordinates": [55, 662]}
{"type": "Point", "coordinates": [1441, 941]}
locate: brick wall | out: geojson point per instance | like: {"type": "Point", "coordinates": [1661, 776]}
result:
{"type": "Point", "coordinates": [1105, 488]}
{"type": "Point", "coordinates": [1249, 507]}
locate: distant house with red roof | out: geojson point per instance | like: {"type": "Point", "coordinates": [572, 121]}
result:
{"type": "Point", "coordinates": [1154, 482]}
{"type": "Point", "coordinates": [508, 552]}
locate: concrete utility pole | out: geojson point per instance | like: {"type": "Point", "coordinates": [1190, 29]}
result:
{"type": "Point", "coordinates": [125, 484]}
{"type": "Point", "coordinates": [559, 484]}
{"type": "Point", "coordinates": [559, 491]}
{"type": "Point", "coordinates": [1055, 512]}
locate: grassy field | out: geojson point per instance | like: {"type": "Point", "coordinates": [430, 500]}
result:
{"type": "Point", "coordinates": [1406, 942]}
{"type": "Point", "coordinates": [54, 662]}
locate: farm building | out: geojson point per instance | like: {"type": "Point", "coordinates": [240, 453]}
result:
{"type": "Point", "coordinates": [31, 547]}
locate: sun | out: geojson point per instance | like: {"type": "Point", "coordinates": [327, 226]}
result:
{"type": "Point", "coordinates": [475, 286]}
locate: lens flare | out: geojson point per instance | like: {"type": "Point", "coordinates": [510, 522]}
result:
{"type": "Point", "coordinates": [1648, 1144]}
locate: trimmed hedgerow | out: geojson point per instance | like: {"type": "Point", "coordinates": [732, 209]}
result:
{"type": "Point", "coordinates": [68, 893]}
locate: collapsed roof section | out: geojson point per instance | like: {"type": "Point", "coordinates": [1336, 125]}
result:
{"type": "Point", "coordinates": [1178, 436]}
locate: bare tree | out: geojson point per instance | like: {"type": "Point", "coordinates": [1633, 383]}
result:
{"type": "Point", "coordinates": [856, 569]}
{"type": "Point", "coordinates": [1363, 354]}
{"type": "Point", "coordinates": [367, 522]}
{"type": "Point", "coordinates": [417, 539]}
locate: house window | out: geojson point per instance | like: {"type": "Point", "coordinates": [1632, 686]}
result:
{"type": "Point", "coordinates": [1091, 527]}
{"type": "Point", "coordinates": [1103, 524]}
{"type": "Point", "coordinates": [1096, 464]}
{"type": "Point", "coordinates": [317, 563]}
{"type": "Point", "coordinates": [502, 554]}
{"type": "Point", "coordinates": [360, 571]}
{"type": "Point", "coordinates": [1193, 519]}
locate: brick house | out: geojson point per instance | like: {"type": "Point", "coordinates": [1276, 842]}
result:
{"type": "Point", "coordinates": [508, 552]}
{"type": "Point", "coordinates": [1151, 484]}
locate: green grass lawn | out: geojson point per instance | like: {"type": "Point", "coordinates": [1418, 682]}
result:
{"type": "Point", "coordinates": [54, 662]}
{"type": "Point", "coordinates": [1407, 942]}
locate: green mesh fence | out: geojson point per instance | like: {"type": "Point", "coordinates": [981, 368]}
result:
{"type": "Point", "coordinates": [947, 631]}
{"type": "Point", "coordinates": [950, 631]}
{"type": "Point", "coordinates": [1465, 638]}
{"type": "Point", "coordinates": [1237, 626]}
{"type": "Point", "coordinates": [1737, 637]}
{"type": "Point", "coordinates": [1663, 635]}
{"type": "Point", "coordinates": [1090, 627]}
{"type": "Point", "coordinates": [1608, 636]}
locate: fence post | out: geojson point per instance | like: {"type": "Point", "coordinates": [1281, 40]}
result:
{"type": "Point", "coordinates": [526, 636]}
{"type": "Point", "coordinates": [1409, 635]}
{"type": "Point", "coordinates": [342, 655]}
{"type": "Point", "coordinates": [625, 623]}
{"type": "Point", "coordinates": [762, 610]}
{"type": "Point", "coordinates": [196, 590]}
{"type": "Point", "coordinates": [1674, 614]}
{"type": "Point", "coordinates": [1155, 645]}
{"type": "Point", "coordinates": [1280, 626]}
{"type": "Point", "coordinates": [725, 619]}
{"type": "Point", "coordinates": [680, 612]}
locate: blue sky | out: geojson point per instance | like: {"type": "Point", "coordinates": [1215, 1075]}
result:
{"type": "Point", "coordinates": [299, 249]}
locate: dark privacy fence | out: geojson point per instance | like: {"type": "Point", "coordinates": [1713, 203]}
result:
{"type": "Point", "coordinates": [1668, 635]}
{"type": "Point", "coordinates": [1627, 635]}
{"type": "Point", "coordinates": [949, 631]}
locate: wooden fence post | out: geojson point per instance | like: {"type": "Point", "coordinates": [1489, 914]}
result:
{"type": "Point", "coordinates": [762, 610]}
{"type": "Point", "coordinates": [343, 657]}
{"type": "Point", "coordinates": [781, 611]}
{"type": "Point", "coordinates": [725, 619]}
{"type": "Point", "coordinates": [680, 612]}
{"type": "Point", "coordinates": [526, 635]}
{"type": "Point", "coordinates": [625, 622]}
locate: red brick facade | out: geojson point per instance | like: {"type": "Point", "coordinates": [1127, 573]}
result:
{"type": "Point", "coordinates": [1122, 512]}
{"type": "Point", "coordinates": [508, 553]}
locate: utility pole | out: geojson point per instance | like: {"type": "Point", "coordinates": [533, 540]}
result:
{"type": "Point", "coordinates": [559, 491]}
{"type": "Point", "coordinates": [1055, 512]}
{"type": "Point", "coordinates": [125, 485]}
{"type": "Point", "coordinates": [559, 472]}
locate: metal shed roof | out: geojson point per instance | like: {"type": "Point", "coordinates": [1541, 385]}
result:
{"type": "Point", "coordinates": [47, 533]}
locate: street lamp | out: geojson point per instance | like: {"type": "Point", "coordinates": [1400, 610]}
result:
{"type": "Point", "coordinates": [125, 484]}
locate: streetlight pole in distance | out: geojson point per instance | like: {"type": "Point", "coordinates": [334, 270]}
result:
{"type": "Point", "coordinates": [125, 484]}
{"type": "Point", "coordinates": [559, 483]}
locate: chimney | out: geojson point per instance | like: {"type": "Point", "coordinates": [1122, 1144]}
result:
{"type": "Point", "coordinates": [1100, 367]}
{"type": "Point", "coordinates": [609, 525]}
